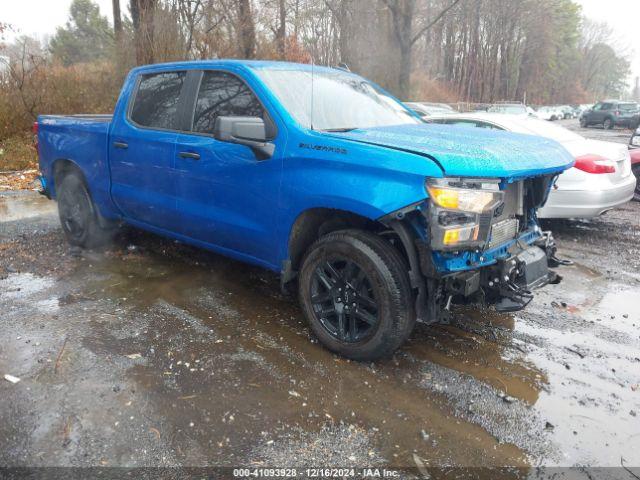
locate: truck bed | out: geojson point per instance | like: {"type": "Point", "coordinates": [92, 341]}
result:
{"type": "Point", "coordinates": [79, 139]}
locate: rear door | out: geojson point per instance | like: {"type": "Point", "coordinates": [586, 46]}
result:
{"type": "Point", "coordinates": [142, 150]}
{"type": "Point", "coordinates": [227, 196]}
{"type": "Point", "coordinates": [596, 115]}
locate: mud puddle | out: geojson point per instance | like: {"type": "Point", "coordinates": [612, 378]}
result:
{"type": "Point", "coordinates": [153, 353]}
{"type": "Point", "coordinates": [21, 207]}
{"type": "Point", "coordinates": [223, 331]}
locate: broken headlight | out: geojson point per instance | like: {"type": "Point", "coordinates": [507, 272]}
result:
{"type": "Point", "coordinates": [457, 207]}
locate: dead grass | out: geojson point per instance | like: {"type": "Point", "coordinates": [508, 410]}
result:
{"type": "Point", "coordinates": [18, 153]}
{"type": "Point", "coordinates": [18, 162]}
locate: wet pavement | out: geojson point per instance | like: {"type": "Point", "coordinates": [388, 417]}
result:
{"type": "Point", "coordinates": [152, 353]}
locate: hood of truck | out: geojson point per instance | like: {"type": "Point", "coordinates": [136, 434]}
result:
{"type": "Point", "coordinates": [471, 151]}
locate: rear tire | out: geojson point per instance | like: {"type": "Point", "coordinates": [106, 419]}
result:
{"type": "Point", "coordinates": [78, 214]}
{"type": "Point", "coordinates": [354, 290]}
{"type": "Point", "coordinates": [608, 124]}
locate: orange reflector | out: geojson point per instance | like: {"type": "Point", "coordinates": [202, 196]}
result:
{"type": "Point", "coordinates": [451, 236]}
{"type": "Point", "coordinates": [445, 197]}
{"type": "Point", "coordinates": [458, 235]}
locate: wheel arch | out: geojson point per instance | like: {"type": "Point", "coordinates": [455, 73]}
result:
{"type": "Point", "coordinates": [315, 222]}
{"type": "Point", "coordinates": [62, 167]}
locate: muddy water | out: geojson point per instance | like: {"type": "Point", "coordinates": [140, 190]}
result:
{"type": "Point", "coordinates": [21, 207]}
{"type": "Point", "coordinates": [251, 359]}
{"type": "Point", "coordinates": [152, 353]}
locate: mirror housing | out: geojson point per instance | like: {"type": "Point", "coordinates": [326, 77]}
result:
{"type": "Point", "coordinates": [249, 131]}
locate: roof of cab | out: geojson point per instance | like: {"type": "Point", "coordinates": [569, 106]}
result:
{"type": "Point", "coordinates": [253, 64]}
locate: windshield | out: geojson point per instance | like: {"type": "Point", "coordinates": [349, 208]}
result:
{"type": "Point", "coordinates": [511, 109]}
{"type": "Point", "coordinates": [340, 101]}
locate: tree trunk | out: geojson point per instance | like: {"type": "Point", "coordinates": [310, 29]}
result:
{"type": "Point", "coordinates": [281, 33]}
{"type": "Point", "coordinates": [246, 29]}
{"type": "Point", "coordinates": [404, 76]}
{"type": "Point", "coordinates": [142, 16]}
{"type": "Point", "coordinates": [117, 22]}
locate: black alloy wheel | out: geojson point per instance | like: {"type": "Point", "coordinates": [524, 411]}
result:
{"type": "Point", "coordinates": [344, 301]}
{"type": "Point", "coordinates": [355, 291]}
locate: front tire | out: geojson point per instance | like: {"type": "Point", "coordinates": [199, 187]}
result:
{"type": "Point", "coordinates": [583, 123]}
{"type": "Point", "coordinates": [354, 290]}
{"type": "Point", "coordinates": [78, 215]}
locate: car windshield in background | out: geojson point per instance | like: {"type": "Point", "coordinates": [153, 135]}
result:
{"type": "Point", "coordinates": [341, 101]}
{"type": "Point", "coordinates": [628, 107]}
{"type": "Point", "coordinates": [510, 109]}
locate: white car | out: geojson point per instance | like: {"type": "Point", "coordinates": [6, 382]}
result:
{"type": "Point", "coordinates": [600, 180]}
{"type": "Point", "coordinates": [427, 109]}
{"type": "Point", "coordinates": [545, 113]}
{"type": "Point", "coordinates": [517, 109]}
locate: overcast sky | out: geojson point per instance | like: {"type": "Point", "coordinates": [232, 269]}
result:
{"type": "Point", "coordinates": [41, 17]}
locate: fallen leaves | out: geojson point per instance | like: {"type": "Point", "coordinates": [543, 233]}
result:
{"type": "Point", "coordinates": [18, 180]}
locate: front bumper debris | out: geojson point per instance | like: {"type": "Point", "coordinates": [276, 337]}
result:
{"type": "Point", "coordinates": [507, 283]}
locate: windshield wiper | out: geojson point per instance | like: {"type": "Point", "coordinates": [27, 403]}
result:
{"type": "Point", "coordinates": [334, 130]}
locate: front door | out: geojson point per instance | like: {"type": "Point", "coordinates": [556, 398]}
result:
{"type": "Point", "coordinates": [226, 195]}
{"type": "Point", "coordinates": [142, 151]}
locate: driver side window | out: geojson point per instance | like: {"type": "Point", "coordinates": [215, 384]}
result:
{"type": "Point", "coordinates": [223, 95]}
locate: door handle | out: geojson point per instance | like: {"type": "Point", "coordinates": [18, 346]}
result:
{"type": "Point", "coordinates": [120, 145]}
{"type": "Point", "coordinates": [191, 155]}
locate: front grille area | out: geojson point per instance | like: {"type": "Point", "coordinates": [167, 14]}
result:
{"type": "Point", "coordinates": [503, 231]}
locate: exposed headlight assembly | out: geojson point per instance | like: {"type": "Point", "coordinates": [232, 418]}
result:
{"type": "Point", "coordinates": [476, 196]}
{"type": "Point", "coordinates": [457, 205]}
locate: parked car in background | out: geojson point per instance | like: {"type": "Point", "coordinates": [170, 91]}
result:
{"type": "Point", "coordinates": [567, 112]}
{"type": "Point", "coordinates": [559, 112]}
{"type": "Point", "coordinates": [634, 141]}
{"type": "Point", "coordinates": [426, 109]}
{"type": "Point", "coordinates": [610, 114]}
{"type": "Point", "coordinates": [376, 218]}
{"type": "Point", "coordinates": [546, 113]}
{"type": "Point", "coordinates": [634, 152]}
{"type": "Point", "coordinates": [511, 109]}
{"type": "Point", "coordinates": [600, 180]}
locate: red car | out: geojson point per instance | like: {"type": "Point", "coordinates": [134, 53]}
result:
{"type": "Point", "coordinates": [634, 152]}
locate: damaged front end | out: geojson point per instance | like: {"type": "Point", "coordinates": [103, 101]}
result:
{"type": "Point", "coordinates": [477, 241]}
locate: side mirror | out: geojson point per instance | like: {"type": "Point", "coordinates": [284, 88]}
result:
{"type": "Point", "coordinates": [249, 131]}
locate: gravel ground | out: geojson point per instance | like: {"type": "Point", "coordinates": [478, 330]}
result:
{"type": "Point", "coordinates": [152, 353]}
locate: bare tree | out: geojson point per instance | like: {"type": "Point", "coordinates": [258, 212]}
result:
{"type": "Point", "coordinates": [117, 22]}
{"type": "Point", "coordinates": [281, 32]}
{"type": "Point", "coordinates": [142, 16]}
{"type": "Point", "coordinates": [246, 29]}
{"type": "Point", "coordinates": [403, 14]}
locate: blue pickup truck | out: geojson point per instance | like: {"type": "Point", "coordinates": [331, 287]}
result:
{"type": "Point", "coordinates": [378, 219]}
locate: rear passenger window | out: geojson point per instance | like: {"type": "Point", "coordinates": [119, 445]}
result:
{"type": "Point", "coordinates": [156, 102]}
{"type": "Point", "coordinates": [223, 94]}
